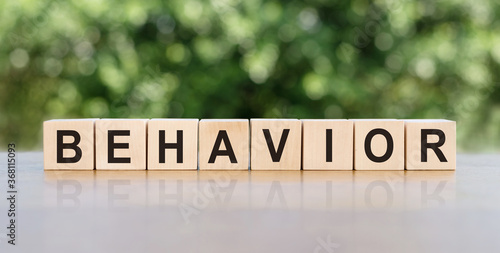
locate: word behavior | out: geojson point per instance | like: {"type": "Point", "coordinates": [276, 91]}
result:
{"type": "Point", "coordinates": [242, 144]}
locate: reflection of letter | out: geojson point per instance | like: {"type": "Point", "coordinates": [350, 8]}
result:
{"type": "Point", "coordinates": [385, 186]}
{"type": "Point", "coordinates": [329, 194]}
{"type": "Point", "coordinates": [276, 189]}
{"type": "Point", "coordinates": [178, 196]}
{"type": "Point", "coordinates": [112, 196]}
{"type": "Point", "coordinates": [216, 189]}
{"type": "Point", "coordinates": [433, 196]}
{"type": "Point", "coordinates": [61, 196]}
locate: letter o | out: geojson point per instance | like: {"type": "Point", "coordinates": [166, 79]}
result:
{"type": "Point", "coordinates": [368, 148]}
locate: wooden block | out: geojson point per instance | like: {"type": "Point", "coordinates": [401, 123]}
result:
{"type": "Point", "coordinates": [173, 144]}
{"type": "Point", "coordinates": [121, 144]}
{"type": "Point", "coordinates": [276, 144]}
{"type": "Point", "coordinates": [430, 144]}
{"type": "Point", "coordinates": [378, 144]}
{"type": "Point", "coordinates": [327, 144]}
{"type": "Point", "coordinates": [68, 144]}
{"type": "Point", "coordinates": [224, 144]}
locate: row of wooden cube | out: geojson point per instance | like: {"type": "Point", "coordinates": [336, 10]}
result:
{"type": "Point", "coordinates": [236, 144]}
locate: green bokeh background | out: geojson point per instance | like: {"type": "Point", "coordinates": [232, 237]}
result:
{"type": "Point", "coordinates": [248, 59]}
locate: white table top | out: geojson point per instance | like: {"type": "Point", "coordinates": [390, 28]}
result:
{"type": "Point", "coordinates": [255, 211]}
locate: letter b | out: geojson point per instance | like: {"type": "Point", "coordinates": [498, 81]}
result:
{"type": "Point", "coordinates": [68, 144]}
{"type": "Point", "coordinates": [73, 145]}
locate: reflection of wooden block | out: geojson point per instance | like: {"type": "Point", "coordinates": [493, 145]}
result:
{"type": "Point", "coordinates": [430, 144]}
{"type": "Point", "coordinates": [429, 189]}
{"type": "Point", "coordinates": [328, 144]}
{"type": "Point", "coordinates": [172, 188]}
{"type": "Point", "coordinates": [378, 144]}
{"type": "Point", "coordinates": [75, 189]}
{"type": "Point", "coordinates": [68, 144]}
{"type": "Point", "coordinates": [276, 144]}
{"type": "Point", "coordinates": [120, 191]}
{"type": "Point", "coordinates": [121, 144]}
{"type": "Point", "coordinates": [277, 190]}
{"type": "Point", "coordinates": [384, 190]}
{"type": "Point", "coordinates": [226, 189]}
{"type": "Point", "coordinates": [224, 144]}
{"type": "Point", "coordinates": [327, 190]}
{"type": "Point", "coordinates": [173, 144]}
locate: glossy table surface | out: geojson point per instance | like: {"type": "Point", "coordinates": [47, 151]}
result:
{"type": "Point", "coordinates": [254, 211]}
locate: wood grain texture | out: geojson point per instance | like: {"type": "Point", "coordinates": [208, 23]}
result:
{"type": "Point", "coordinates": [261, 155]}
{"type": "Point", "coordinates": [170, 130]}
{"type": "Point", "coordinates": [444, 158]}
{"type": "Point", "coordinates": [379, 144]}
{"type": "Point", "coordinates": [327, 144]}
{"type": "Point", "coordinates": [237, 132]}
{"type": "Point", "coordinates": [85, 130]}
{"type": "Point", "coordinates": [136, 141]}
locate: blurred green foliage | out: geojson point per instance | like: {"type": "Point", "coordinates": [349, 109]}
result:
{"type": "Point", "coordinates": [251, 58]}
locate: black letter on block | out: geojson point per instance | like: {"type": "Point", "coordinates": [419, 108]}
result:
{"type": "Point", "coordinates": [112, 146]}
{"type": "Point", "coordinates": [368, 147]}
{"type": "Point", "coordinates": [329, 145]}
{"type": "Point", "coordinates": [178, 145]}
{"type": "Point", "coordinates": [61, 146]}
{"type": "Point", "coordinates": [276, 154]}
{"type": "Point", "coordinates": [434, 146]}
{"type": "Point", "coordinates": [222, 136]}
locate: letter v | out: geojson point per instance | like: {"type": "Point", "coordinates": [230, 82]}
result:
{"type": "Point", "coordinates": [276, 154]}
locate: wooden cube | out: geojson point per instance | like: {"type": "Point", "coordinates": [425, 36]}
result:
{"type": "Point", "coordinates": [378, 144]}
{"type": "Point", "coordinates": [224, 144]}
{"type": "Point", "coordinates": [173, 144]}
{"type": "Point", "coordinates": [276, 144]}
{"type": "Point", "coordinates": [121, 144]}
{"type": "Point", "coordinates": [327, 144]}
{"type": "Point", "coordinates": [68, 144]}
{"type": "Point", "coordinates": [430, 144]}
